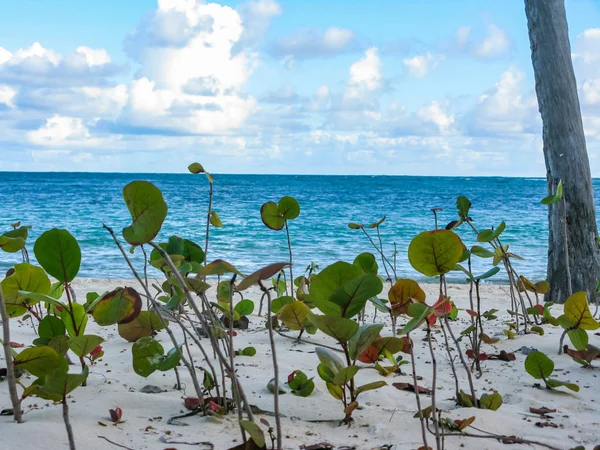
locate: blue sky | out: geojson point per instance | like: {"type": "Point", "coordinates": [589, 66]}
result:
{"type": "Point", "coordinates": [263, 86]}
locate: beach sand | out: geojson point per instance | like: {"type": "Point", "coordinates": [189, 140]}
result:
{"type": "Point", "coordinates": [385, 419]}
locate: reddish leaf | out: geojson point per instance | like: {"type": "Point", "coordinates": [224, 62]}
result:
{"type": "Point", "coordinates": [442, 306]}
{"type": "Point", "coordinates": [214, 406]}
{"type": "Point", "coordinates": [503, 356]}
{"type": "Point", "coordinates": [234, 333]}
{"type": "Point", "coordinates": [370, 355]}
{"type": "Point", "coordinates": [115, 414]}
{"type": "Point", "coordinates": [471, 313]}
{"type": "Point", "coordinates": [16, 345]}
{"type": "Point", "coordinates": [540, 308]}
{"type": "Point", "coordinates": [96, 351]}
{"type": "Point", "coordinates": [191, 402]}
{"type": "Point", "coordinates": [482, 356]}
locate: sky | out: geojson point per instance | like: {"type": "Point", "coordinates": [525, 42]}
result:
{"type": "Point", "coordinates": [395, 87]}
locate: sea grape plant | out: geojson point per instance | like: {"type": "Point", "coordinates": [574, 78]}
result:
{"type": "Point", "coordinates": [576, 320]}
{"type": "Point", "coordinates": [540, 367]}
{"type": "Point", "coordinates": [275, 216]}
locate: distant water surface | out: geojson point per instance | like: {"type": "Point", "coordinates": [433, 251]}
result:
{"type": "Point", "coordinates": [82, 202]}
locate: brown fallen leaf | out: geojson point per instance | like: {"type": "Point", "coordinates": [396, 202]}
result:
{"type": "Point", "coordinates": [488, 340]}
{"type": "Point", "coordinates": [546, 425]}
{"type": "Point", "coordinates": [16, 345]}
{"type": "Point", "coordinates": [410, 387]}
{"type": "Point", "coordinates": [543, 410]}
{"type": "Point", "coordinates": [587, 355]}
{"type": "Point", "coordinates": [319, 446]}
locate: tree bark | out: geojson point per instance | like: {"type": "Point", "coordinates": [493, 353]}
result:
{"type": "Point", "coordinates": [565, 154]}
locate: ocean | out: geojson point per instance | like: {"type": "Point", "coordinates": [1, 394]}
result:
{"type": "Point", "coordinates": [82, 202]}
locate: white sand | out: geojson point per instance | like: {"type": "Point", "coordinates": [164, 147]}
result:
{"type": "Point", "coordinates": [386, 417]}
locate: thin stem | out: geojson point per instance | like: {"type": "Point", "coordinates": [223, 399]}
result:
{"type": "Point", "coordinates": [438, 441]}
{"type": "Point", "coordinates": [11, 379]}
{"type": "Point", "coordinates": [414, 374]}
{"type": "Point", "coordinates": [210, 198]}
{"type": "Point", "coordinates": [236, 396]}
{"type": "Point", "coordinates": [275, 369]}
{"type": "Point", "coordinates": [383, 259]}
{"type": "Point", "coordinates": [287, 231]}
{"type": "Point", "coordinates": [67, 421]}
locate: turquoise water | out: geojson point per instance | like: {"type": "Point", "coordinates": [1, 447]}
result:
{"type": "Point", "coordinates": [82, 202]}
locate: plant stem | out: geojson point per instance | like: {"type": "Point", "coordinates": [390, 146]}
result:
{"type": "Point", "coordinates": [287, 231]}
{"type": "Point", "coordinates": [438, 441]}
{"type": "Point", "coordinates": [210, 198]}
{"type": "Point", "coordinates": [414, 374]}
{"type": "Point", "coordinates": [11, 378]}
{"type": "Point", "coordinates": [65, 408]}
{"type": "Point", "coordinates": [383, 259]}
{"type": "Point", "coordinates": [275, 369]}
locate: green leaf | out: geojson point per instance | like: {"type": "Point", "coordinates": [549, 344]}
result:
{"type": "Point", "coordinates": [464, 399]}
{"type": "Point", "coordinates": [145, 324]}
{"type": "Point", "coordinates": [364, 337]}
{"type": "Point", "coordinates": [27, 278]}
{"type": "Point", "coordinates": [294, 315]}
{"type": "Point", "coordinates": [335, 391]}
{"type": "Point", "coordinates": [337, 327]}
{"type": "Point", "coordinates": [80, 316]}
{"type": "Point", "coordinates": [369, 387]}
{"type": "Point", "coordinates": [477, 250]}
{"type": "Point", "coordinates": [352, 296]}
{"type": "Point", "coordinates": [60, 344]}
{"type": "Point", "coordinates": [554, 198]}
{"type": "Point", "coordinates": [326, 282]}
{"type": "Point", "coordinates": [244, 308]}
{"type": "Point", "coordinates": [403, 293]}
{"type": "Point", "coordinates": [215, 220]}
{"type": "Point", "coordinates": [553, 384]}
{"type": "Point", "coordinates": [355, 226]}
{"type": "Point", "coordinates": [143, 351]}
{"type": "Point", "coordinates": [278, 303]}
{"type": "Point", "coordinates": [170, 360]}
{"type": "Point", "coordinates": [490, 273]}
{"type": "Point", "coordinates": [579, 338]}
{"type": "Point", "coordinates": [367, 263]}
{"type": "Point", "coordinates": [330, 360]}
{"type": "Point", "coordinates": [254, 431]}
{"type": "Point", "coordinates": [148, 211]}
{"type": "Point", "coordinates": [11, 245]}
{"type": "Point", "coordinates": [489, 235]}
{"type": "Point", "coordinates": [435, 252]}
{"type": "Point", "coordinates": [345, 375]}
{"type": "Point", "coordinates": [246, 351]}
{"type": "Point", "coordinates": [463, 205]}
{"type": "Point", "coordinates": [300, 384]}
{"type": "Point", "coordinates": [83, 345]}
{"type": "Point", "coordinates": [51, 326]}
{"type": "Point", "coordinates": [58, 384]}
{"type": "Point", "coordinates": [538, 365]}
{"type": "Point", "coordinates": [40, 361]}
{"type": "Point", "coordinates": [119, 306]}
{"type": "Point", "coordinates": [577, 311]}
{"type": "Point", "coordinates": [490, 401]}
{"type": "Point", "coordinates": [197, 168]}
{"type": "Point", "coordinates": [59, 254]}
{"type": "Point", "coordinates": [271, 216]}
{"type": "Point", "coordinates": [288, 208]}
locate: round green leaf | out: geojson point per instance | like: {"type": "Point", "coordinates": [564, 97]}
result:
{"type": "Point", "coordinates": [435, 252]}
{"type": "Point", "coordinates": [271, 216]}
{"type": "Point", "coordinates": [326, 282]}
{"type": "Point", "coordinates": [83, 345]}
{"type": "Point", "coordinates": [145, 324]}
{"type": "Point", "coordinates": [119, 306]}
{"type": "Point", "coordinates": [367, 263]}
{"type": "Point", "coordinates": [143, 351]}
{"type": "Point", "coordinates": [59, 254]}
{"type": "Point", "coordinates": [294, 315]}
{"type": "Point", "coordinates": [40, 361]}
{"type": "Point", "coordinates": [337, 327]}
{"type": "Point", "coordinates": [11, 245]}
{"type": "Point", "coordinates": [244, 308]}
{"type": "Point", "coordinates": [26, 277]}
{"type": "Point", "coordinates": [50, 327]}
{"type": "Point", "coordinates": [215, 220]}
{"type": "Point", "coordinates": [538, 365]}
{"type": "Point", "coordinates": [288, 208]}
{"type": "Point", "coordinates": [148, 211]}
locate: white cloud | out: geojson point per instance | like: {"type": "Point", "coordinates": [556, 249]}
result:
{"type": "Point", "coordinates": [591, 91]}
{"type": "Point", "coordinates": [62, 130]}
{"type": "Point", "coordinates": [365, 73]}
{"type": "Point", "coordinates": [587, 45]}
{"type": "Point", "coordinates": [256, 17]}
{"type": "Point", "coordinates": [504, 109]}
{"type": "Point", "coordinates": [434, 113]}
{"type": "Point", "coordinates": [494, 44]}
{"type": "Point", "coordinates": [314, 43]}
{"type": "Point", "coordinates": [420, 65]}
{"type": "Point", "coordinates": [7, 96]}
{"type": "Point", "coordinates": [94, 57]}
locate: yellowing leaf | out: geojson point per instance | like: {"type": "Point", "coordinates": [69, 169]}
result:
{"type": "Point", "coordinates": [578, 312]}
{"type": "Point", "coordinates": [435, 252]}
